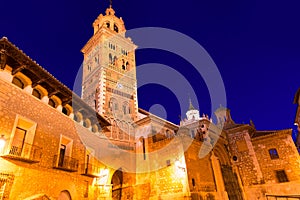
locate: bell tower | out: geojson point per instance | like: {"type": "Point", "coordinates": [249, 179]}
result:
{"type": "Point", "coordinates": [109, 69]}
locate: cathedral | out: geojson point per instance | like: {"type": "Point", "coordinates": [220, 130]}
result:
{"type": "Point", "coordinates": [55, 144]}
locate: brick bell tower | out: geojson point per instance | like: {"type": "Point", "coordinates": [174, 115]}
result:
{"type": "Point", "coordinates": [109, 70]}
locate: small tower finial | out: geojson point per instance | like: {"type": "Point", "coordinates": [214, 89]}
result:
{"type": "Point", "coordinates": [110, 3]}
{"type": "Point", "coordinates": [191, 107]}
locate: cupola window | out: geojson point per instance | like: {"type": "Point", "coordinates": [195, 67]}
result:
{"type": "Point", "coordinates": [116, 28]}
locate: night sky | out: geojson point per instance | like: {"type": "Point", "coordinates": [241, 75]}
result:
{"type": "Point", "coordinates": [255, 45]}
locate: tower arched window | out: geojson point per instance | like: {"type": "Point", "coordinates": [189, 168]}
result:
{"type": "Point", "coordinates": [110, 105]}
{"type": "Point", "coordinates": [18, 82]}
{"type": "Point", "coordinates": [123, 64]}
{"type": "Point", "coordinates": [115, 60]}
{"type": "Point", "coordinates": [116, 28]}
{"type": "Point", "coordinates": [124, 109]}
{"type": "Point", "coordinates": [107, 24]}
{"type": "Point", "coordinates": [110, 59]}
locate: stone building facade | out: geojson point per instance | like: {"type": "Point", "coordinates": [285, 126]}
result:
{"type": "Point", "coordinates": [56, 145]}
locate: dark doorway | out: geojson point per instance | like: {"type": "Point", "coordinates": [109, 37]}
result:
{"type": "Point", "coordinates": [62, 152]}
{"type": "Point", "coordinates": [18, 142]}
{"type": "Point", "coordinates": [117, 182]}
{"type": "Point", "coordinates": [232, 186]}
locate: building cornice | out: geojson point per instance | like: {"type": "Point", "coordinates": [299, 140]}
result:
{"type": "Point", "coordinates": [20, 62]}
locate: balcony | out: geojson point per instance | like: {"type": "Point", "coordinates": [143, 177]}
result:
{"type": "Point", "coordinates": [26, 153]}
{"type": "Point", "coordinates": [90, 170]}
{"type": "Point", "coordinates": [65, 163]}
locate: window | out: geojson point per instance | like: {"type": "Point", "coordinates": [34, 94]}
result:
{"type": "Point", "coordinates": [22, 140]}
{"type": "Point", "coordinates": [144, 148]}
{"type": "Point", "coordinates": [63, 159]}
{"type": "Point", "coordinates": [52, 103]}
{"type": "Point", "coordinates": [115, 60]}
{"type": "Point", "coordinates": [18, 142]}
{"type": "Point", "coordinates": [110, 59]}
{"type": "Point", "coordinates": [62, 152]}
{"type": "Point", "coordinates": [65, 111]}
{"type": "Point", "coordinates": [95, 128]}
{"type": "Point", "coordinates": [124, 109]}
{"type": "Point", "coordinates": [273, 153]}
{"type": "Point", "coordinates": [107, 24]}
{"type": "Point", "coordinates": [36, 93]}
{"type": "Point", "coordinates": [87, 123]}
{"type": "Point", "coordinates": [129, 110]}
{"type": "Point", "coordinates": [110, 105]}
{"type": "Point", "coordinates": [123, 65]}
{"type": "Point", "coordinates": [18, 82]}
{"type": "Point", "coordinates": [116, 28]}
{"type": "Point", "coordinates": [281, 176]}
{"type": "Point", "coordinates": [77, 118]}
{"type": "Point", "coordinates": [193, 182]}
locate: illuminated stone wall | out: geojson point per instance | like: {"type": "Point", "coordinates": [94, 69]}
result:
{"type": "Point", "coordinates": [164, 171]}
{"type": "Point", "coordinates": [241, 148]}
{"type": "Point", "coordinates": [288, 160]}
{"type": "Point", "coordinates": [33, 178]}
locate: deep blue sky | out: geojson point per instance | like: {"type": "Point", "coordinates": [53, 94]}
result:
{"type": "Point", "coordinates": [254, 43]}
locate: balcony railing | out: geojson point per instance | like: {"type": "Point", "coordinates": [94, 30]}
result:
{"type": "Point", "coordinates": [65, 163]}
{"type": "Point", "coordinates": [26, 152]}
{"type": "Point", "coordinates": [90, 170]}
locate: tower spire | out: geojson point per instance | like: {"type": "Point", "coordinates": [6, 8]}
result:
{"type": "Point", "coordinates": [191, 107]}
{"type": "Point", "coordinates": [192, 113]}
{"type": "Point", "coordinates": [110, 3]}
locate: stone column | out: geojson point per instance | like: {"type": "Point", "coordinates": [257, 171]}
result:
{"type": "Point", "coordinates": [28, 89]}
{"type": "Point", "coordinates": [6, 75]}
{"type": "Point", "coordinates": [218, 177]}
